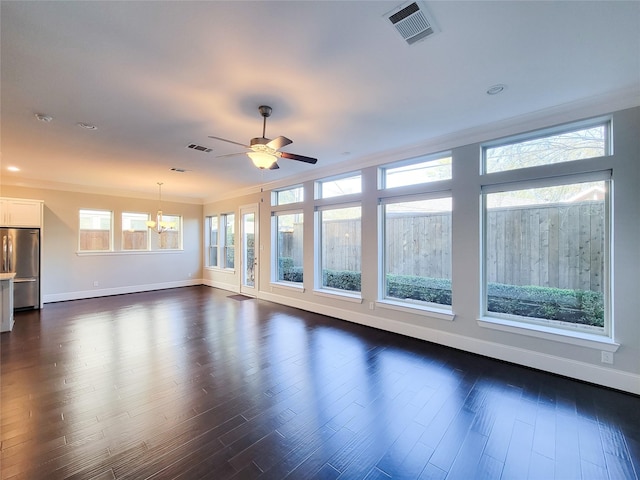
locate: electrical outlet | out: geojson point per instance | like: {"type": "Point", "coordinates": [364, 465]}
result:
{"type": "Point", "coordinates": [607, 357]}
{"type": "Point", "coordinates": [95, 283]}
{"type": "Point", "coordinates": [371, 306]}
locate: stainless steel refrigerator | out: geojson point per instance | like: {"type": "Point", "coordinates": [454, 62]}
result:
{"type": "Point", "coordinates": [21, 255]}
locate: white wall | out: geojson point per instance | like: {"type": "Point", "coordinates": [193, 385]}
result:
{"type": "Point", "coordinates": [65, 275]}
{"type": "Point", "coordinates": [577, 359]}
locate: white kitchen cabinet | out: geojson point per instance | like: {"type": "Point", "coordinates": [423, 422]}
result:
{"type": "Point", "coordinates": [6, 303]}
{"type": "Point", "coordinates": [19, 212]}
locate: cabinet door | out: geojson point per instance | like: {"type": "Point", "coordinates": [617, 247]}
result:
{"type": "Point", "coordinates": [21, 213]}
{"type": "Point", "coordinates": [4, 212]}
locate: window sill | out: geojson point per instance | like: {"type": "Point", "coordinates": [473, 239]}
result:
{"type": "Point", "coordinates": [347, 297]}
{"type": "Point", "coordinates": [221, 270]}
{"type": "Point", "coordinates": [288, 286]}
{"type": "Point", "coordinates": [126, 252]}
{"type": "Point", "coordinates": [572, 337]}
{"type": "Point", "coordinates": [434, 312]}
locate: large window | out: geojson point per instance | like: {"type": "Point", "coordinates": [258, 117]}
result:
{"type": "Point", "coordinates": [221, 241]}
{"type": "Point", "coordinates": [213, 241]}
{"type": "Point", "coordinates": [547, 239]}
{"type": "Point", "coordinates": [288, 241]}
{"type": "Point", "coordinates": [135, 233]}
{"type": "Point", "coordinates": [96, 230]}
{"type": "Point", "coordinates": [546, 253]}
{"type": "Point", "coordinates": [171, 238]}
{"type": "Point", "coordinates": [417, 251]}
{"type": "Point", "coordinates": [415, 233]}
{"type": "Point", "coordinates": [340, 248]}
{"type": "Point", "coordinates": [229, 240]}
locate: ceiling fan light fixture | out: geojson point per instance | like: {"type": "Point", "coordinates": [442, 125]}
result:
{"type": "Point", "coordinates": [262, 160]}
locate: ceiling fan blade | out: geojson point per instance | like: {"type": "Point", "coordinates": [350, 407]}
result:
{"type": "Point", "coordinates": [275, 166]}
{"type": "Point", "coordinates": [231, 154]}
{"type": "Point", "coordinates": [293, 156]}
{"type": "Point", "coordinates": [278, 143]}
{"type": "Point", "coordinates": [230, 141]}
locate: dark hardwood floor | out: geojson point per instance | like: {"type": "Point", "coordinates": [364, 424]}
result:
{"type": "Point", "coordinates": [190, 383]}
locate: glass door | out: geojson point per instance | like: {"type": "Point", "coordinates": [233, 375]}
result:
{"type": "Point", "coordinates": [249, 257]}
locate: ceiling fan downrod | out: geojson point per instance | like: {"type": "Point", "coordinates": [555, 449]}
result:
{"type": "Point", "coordinates": [265, 111]}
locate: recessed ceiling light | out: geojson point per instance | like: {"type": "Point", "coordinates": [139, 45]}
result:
{"type": "Point", "coordinates": [87, 126]}
{"type": "Point", "coordinates": [44, 118]}
{"type": "Point", "coordinates": [13, 169]}
{"type": "Point", "coordinates": [496, 89]}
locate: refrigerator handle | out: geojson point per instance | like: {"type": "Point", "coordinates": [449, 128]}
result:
{"type": "Point", "coordinates": [4, 254]}
{"type": "Point", "coordinates": [10, 255]}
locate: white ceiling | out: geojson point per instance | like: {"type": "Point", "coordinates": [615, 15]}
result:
{"type": "Point", "coordinates": [157, 76]}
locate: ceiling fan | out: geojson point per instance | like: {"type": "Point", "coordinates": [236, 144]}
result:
{"type": "Point", "coordinates": [264, 152]}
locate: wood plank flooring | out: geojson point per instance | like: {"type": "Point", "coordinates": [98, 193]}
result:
{"type": "Point", "coordinates": [189, 383]}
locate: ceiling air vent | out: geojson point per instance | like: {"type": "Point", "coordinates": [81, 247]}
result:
{"type": "Point", "coordinates": [200, 148]}
{"type": "Point", "coordinates": [412, 21]}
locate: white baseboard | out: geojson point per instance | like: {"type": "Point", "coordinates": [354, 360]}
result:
{"type": "Point", "coordinates": [105, 292]}
{"type": "Point", "coordinates": [221, 285]}
{"type": "Point", "coordinates": [607, 377]}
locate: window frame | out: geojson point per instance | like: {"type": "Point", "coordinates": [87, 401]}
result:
{"type": "Point", "coordinates": [210, 244]}
{"type": "Point", "coordinates": [605, 121]}
{"type": "Point", "coordinates": [275, 196]}
{"type": "Point", "coordinates": [415, 306]}
{"type": "Point", "coordinates": [178, 229]}
{"type": "Point", "coordinates": [429, 185]}
{"type": "Point", "coordinates": [540, 176]}
{"type": "Point", "coordinates": [110, 236]}
{"type": "Point", "coordinates": [124, 231]}
{"type": "Point", "coordinates": [318, 188]}
{"type": "Point", "coordinates": [319, 288]}
{"type": "Point", "coordinates": [222, 248]}
{"type": "Point", "coordinates": [275, 251]}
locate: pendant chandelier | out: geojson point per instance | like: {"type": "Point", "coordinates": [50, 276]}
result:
{"type": "Point", "coordinates": [159, 225]}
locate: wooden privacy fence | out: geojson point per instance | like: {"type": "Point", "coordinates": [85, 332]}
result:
{"type": "Point", "coordinates": [556, 245]}
{"type": "Point", "coordinates": [560, 245]}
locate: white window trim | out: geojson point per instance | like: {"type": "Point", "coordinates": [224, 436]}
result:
{"type": "Point", "coordinates": [230, 271]}
{"type": "Point", "coordinates": [534, 326]}
{"type": "Point", "coordinates": [427, 309]}
{"type": "Point", "coordinates": [411, 161]}
{"type": "Point", "coordinates": [292, 286]}
{"type": "Point", "coordinates": [410, 306]}
{"type": "Point", "coordinates": [605, 121]}
{"type": "Point", "coordinates": [277, 191]}
{"type": "Point", "coordinates": [317, 187]}
{"type": "Point", "coordinates": [563, 335]}
{"type": "Point", "coordinates": [319, 289]}
{"type": "Point", "coordinates": [274, 241]}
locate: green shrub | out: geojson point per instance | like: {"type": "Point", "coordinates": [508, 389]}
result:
{"type": "Point", "coordinates": [287, 272]}
{"type": "Point", "coordinates": [342, 279]}
{"type": "Point", "coordinates": [574, 306]}
{"type": "Point", "coordinates": [425, 289]}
